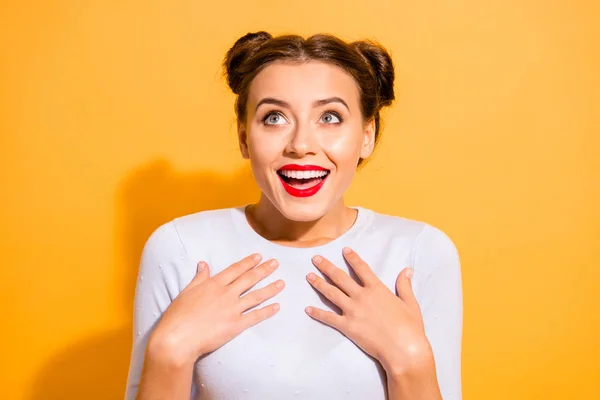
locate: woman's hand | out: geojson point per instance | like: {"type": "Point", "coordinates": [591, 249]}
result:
{"type": "Point", "coordinates": [208, 312]}
{"type": "Point", "coordinates": [387, 327]}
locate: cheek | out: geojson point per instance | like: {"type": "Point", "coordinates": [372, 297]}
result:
{"type": "Point", "coordinates": [264, 151]}
{"type": "Point", "coordinates": [343, 149]}
{"type": "Point", "coordinates": [261, 147]}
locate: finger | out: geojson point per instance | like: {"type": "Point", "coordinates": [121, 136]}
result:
{"type": "Point", "coordinates": [404, 288]}
{"type": "Point", "coordinates": [250, 278]}
{"type": "Point", "coordinates": [362, 269]}
{"type": "Point", "coordinates": [256, 297]}
{"type": "Point", "coordinates": [341, 279]}
{"type": "Point", "coordinates": [255, 316]}
{"type": "Point", "coordinates": [333, 293]}
{"type": "Point", "coordinates": [328, 317]}
{"type": "Point", "coordinates": [234, 271]}
{"type": "Point", "coordinates": [202, 274]}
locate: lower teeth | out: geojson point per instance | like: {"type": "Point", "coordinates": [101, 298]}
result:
{"type": "Point", "coordinates": [303, 182]}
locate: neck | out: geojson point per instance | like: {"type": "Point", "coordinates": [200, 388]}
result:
{"type": "Point", "coordinates": [268, 222]}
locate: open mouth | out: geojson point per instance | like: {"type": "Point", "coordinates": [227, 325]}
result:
{"type": "Point", "coordinates": [303, 179]}
{"type": "Point", "coordinates": [303, 183]}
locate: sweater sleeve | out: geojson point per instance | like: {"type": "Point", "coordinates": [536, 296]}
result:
{"type": "Point", "coordinates": [159, 281]}
{"type": "Point", "coordinates": [441, 301]}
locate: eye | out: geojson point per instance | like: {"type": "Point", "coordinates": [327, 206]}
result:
{"type": "Point", "coordinates": [274, 118]}
{"type": "Point", "coordinates": [331, 118]}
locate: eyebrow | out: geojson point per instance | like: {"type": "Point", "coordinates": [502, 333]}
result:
{"type": "Point", "coordinates": [317, 103]}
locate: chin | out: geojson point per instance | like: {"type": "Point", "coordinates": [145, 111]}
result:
{"type": "Point", "coordinates": [302, 211]}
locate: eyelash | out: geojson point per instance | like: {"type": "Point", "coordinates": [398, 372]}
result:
{"type": "Point", "coordinates": [268, 114]}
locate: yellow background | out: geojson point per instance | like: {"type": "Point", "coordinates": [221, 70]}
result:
{"type": "Point", "coordinates": [114, 119]}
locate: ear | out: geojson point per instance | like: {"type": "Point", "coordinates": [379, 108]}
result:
{"type": "Point", "coordinates": [369, 139]}
{"type": "Point", "coordinates": [243, 139]}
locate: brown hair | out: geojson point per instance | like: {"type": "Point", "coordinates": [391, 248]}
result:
{"type": "Point", "coordinates": [368, 62]}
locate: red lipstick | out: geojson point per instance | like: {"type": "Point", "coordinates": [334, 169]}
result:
{"type": "Point", "coordinates": [296, 167]}
{"type": "Point", "coordinates": [306, 192]}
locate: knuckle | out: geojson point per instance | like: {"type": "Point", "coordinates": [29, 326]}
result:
{"type": "Point", "coordinates": [349, 325]}
{"type": "Point", "coordinates": [354, 313]}
{"type": "Point", "coordinates": [251, 317]}
{"type": "Point", "coordinates": [268, 291]}
{"type": "Point", "coordinates": [359, 296]}
{"type": "Point", "coordinates": [263, 272]}
{"type": "Point", "coordinates": [262, 295]}
{"type": "Point", "coordinates": [269, 267]}
{"type": "Point", "coordinates": [274, 289]}
{"type": "Point", "coordinates": [251, 295]}
{"type": "Point", "coordinates": [255, 316]}
{"type": "Point", "coordinates": [263, 313]}
{"type": "Point", "coordinates": [245, 263]}
{"type": "Point", "coordinates": [335, 276]}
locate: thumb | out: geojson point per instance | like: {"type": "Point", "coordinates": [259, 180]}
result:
{"type": "Point", "coordinates": [404, 287]}
{"type": "Point", "coordinates": [202, 271]}
{"type": "Point", "coordinates": [202, 274]}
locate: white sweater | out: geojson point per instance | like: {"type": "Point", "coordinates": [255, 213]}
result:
{"type": "Point", "coordinates": [290, 355]}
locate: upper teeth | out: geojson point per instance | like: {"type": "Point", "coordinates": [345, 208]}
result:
{"type": "Point", "coordinates": [303, 174]}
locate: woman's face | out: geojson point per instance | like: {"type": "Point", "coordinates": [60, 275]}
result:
{"type": "Point", "coordinates": [304, 134]}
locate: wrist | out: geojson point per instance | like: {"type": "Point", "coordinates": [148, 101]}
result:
{"type": "Point", "coordinates": [414, 370]}
{"type": "Point", "coordinates": [168, 353]}
{"type": "Point", "coordinates": [166, 374]}
{"type": "Point", "coordinates": [417, 381]}
{"type": "Point", "coordinates": [420, 362]}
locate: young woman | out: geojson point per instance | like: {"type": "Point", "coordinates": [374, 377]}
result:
{"type": "Point", "coordinates": [300, 296]}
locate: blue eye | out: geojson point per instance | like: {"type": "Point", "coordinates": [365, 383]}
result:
{"type": "Point", "coordinates": [274, 119]}
{"type": "Point", "coordinates": [331, 118]}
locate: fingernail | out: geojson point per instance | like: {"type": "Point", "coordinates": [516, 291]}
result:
{"type": "Point", "coordinates": [346, 250]}
{"type": "Point", "coordinates": [201, 266]}
{"type": "Point", "coordinates": [308, 310]}
{"type": "Point", "coordinates": [273, 263]}
{"type": "Point", "coordinates": [317, 259]}
{"type": "Point", "coordinates": [409, 273]}
{"type": "Point", "coordinates": [311, 276]}
{"type": "Point", "coordinates": [256, 257]}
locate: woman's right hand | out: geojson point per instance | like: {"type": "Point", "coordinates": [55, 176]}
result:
{"type": "Point", "coordinates": [208, 312]}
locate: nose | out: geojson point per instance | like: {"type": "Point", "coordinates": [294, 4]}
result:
{"type": "Point", "coordinates": [302, 141]}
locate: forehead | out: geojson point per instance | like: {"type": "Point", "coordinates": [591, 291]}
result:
{"type": "Point", "coordinates": [300, 83]}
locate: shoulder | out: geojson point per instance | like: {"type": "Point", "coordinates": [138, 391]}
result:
{"type": "Point", "coordinates": [393, 226]}
{"type": "Point", "coordinates": [175, 236]}
{"type": "Point", "coordinates": [162, 240]}
{"type": "Point", "coordinates": [431, 246]}
{"type": "Point", "coordinates": [437, 266]}
{"type": "Point", "coordinates": [172, 250]}
{"type": "Point", "coordinates": [435, 247]}
{"type": "Point", "coordinates": [203, 221]}
{"type": "Point", "coordinates": [425, 234]}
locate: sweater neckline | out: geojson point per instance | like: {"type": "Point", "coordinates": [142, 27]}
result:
{"type": "Point", "coordinates": [238, 215]}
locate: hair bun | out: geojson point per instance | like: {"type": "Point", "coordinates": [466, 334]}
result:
{"type": "Point", "coordinates": [243, 48]}
{"type": "Point", "coordinates": [383, 67]}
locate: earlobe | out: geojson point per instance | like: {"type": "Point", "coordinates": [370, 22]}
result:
{"type": "Point", "coordinates": [369, 140]}
{"type": "Point", "coordinates": [242, 140]}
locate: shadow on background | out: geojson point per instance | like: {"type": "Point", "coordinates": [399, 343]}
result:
{"type": "Point", "coordinates": [96, 367]}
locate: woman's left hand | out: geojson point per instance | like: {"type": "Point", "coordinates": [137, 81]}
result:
{"type": "Point", "coordinates": [387, 327]}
